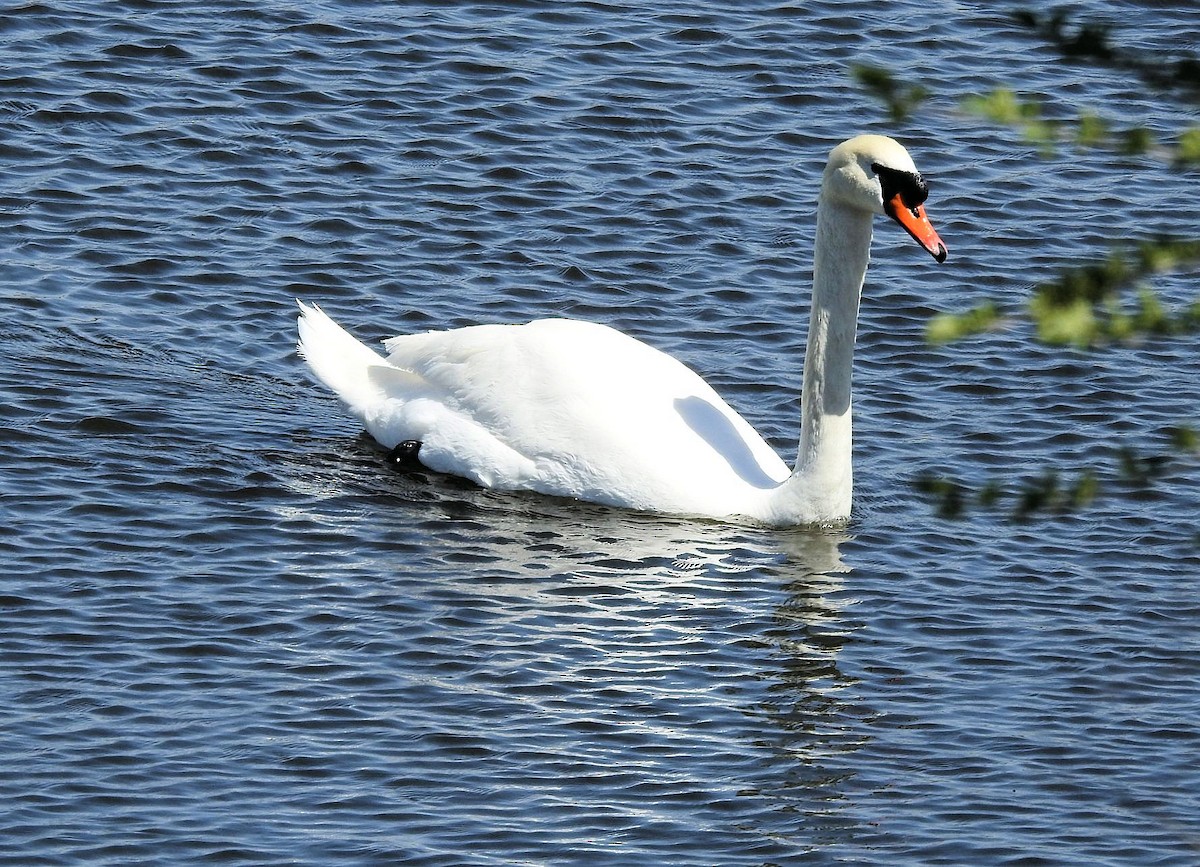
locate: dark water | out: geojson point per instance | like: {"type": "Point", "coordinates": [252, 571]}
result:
{"type": "Point", "coordinates": [231, 635]}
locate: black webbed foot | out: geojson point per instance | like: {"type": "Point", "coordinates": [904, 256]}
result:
{"type": "Point", "coordinates": [404, 457]}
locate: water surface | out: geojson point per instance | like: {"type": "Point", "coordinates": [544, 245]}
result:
{"type": "Point", "coordinates": [231, 634]}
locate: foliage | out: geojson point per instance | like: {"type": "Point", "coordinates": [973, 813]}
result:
{"type": "Point", "coordinates": [901, 98]}
{"type": "Point", "coordinates": [948, 327]}
{"type": "Point", "coordinates": [1086, 306]}
{"type": "Point", "coordinates": [1005, 107]}
{"type": "Point", "coordinates": [1082, 307]}
{"type": "Point", "coordinates": [1049, 492]}
{"type": "Point", "coordinates": [1086, 130]}
{"type": "Point", "coordinates": [1091, 40]}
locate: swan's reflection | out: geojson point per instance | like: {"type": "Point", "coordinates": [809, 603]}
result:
{"type": "Point", "coordinates": [646, 653]}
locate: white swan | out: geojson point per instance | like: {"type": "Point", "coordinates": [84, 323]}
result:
{"type": "Point", "coordinates": [577, 409]}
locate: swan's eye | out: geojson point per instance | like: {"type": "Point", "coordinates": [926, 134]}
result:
{"type": "Point", "coordinates": [910, 186]}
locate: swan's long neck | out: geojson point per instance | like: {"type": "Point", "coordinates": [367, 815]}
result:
{"type": "Point", "coordinates": [822, 481]}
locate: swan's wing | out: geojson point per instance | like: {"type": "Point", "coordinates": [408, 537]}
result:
{"type": "Point", "coordinates": [578, 409]}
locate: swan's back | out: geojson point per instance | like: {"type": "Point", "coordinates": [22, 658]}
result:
{"type": "Point", "coordinates": [562, 407]}
{"type": "Point", "coordinates": [598, 415]}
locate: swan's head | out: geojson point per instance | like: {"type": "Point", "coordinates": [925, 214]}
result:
{"type": "Point", "coordinates": [875, 173]}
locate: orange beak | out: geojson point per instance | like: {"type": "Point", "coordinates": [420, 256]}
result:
{"type": "Point", "coordinates": [916, 224]}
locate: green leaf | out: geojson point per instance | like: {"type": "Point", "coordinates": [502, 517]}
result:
{"type": "Point", "coordinates": [1092, 131]}
{"type": "Point", "coordinates": [1184, 438]}
{"type": "Point", "coordinates": [949, 327]}
{"type": "Point", "coordinates": [1188, 152]}
{"type": "Point", "coordinates": [1070, 324]}
{"type": "Point", "coordinates": [1137, 141]}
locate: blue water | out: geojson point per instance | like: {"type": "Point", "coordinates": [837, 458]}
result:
{"type": "Point", "coordinates": [229, 633]}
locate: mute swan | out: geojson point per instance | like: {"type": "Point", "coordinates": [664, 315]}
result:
{"type": "Point", "coordinates": [577, 409]}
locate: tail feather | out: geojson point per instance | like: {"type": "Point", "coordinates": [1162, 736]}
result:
{"type": "Point", "coordinates": [337, 359]}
